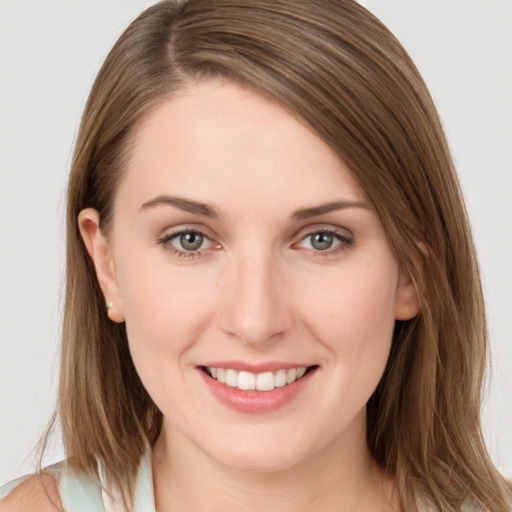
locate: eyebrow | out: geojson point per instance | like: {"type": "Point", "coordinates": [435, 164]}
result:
{"type": "Point", "coordinates": [199, 208]}
{"type": "Point", "coordinates": [186, 205]}
{"type": "Point", "coordinates": [314, 211]}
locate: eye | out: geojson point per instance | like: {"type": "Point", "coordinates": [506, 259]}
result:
{"type": "Point", "coordinates": [187, 243]}
{"type": "Point", "coordinates": [324, 241]}
{"type": "Point", "coordinates": [190, 241]}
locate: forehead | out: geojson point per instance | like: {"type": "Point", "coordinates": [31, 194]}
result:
{"type": "Point", "coordinates": [217, 141]}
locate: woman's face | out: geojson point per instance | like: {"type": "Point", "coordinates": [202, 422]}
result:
{"type": "Point", "coordinates": [242, 250]}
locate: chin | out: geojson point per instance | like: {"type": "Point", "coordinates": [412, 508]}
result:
{"type": "Point", "coordinates": [260, 462]}
{"type": "Point", "coordinates": [261, 454]}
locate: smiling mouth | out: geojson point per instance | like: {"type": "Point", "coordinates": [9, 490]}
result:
{"type": "Point", "coordinates": [265, 381]}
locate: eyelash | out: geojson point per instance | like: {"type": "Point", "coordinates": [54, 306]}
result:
{"type": "Point", "coordinates": [165, 241]}
{"type": "Point", "coordinates": [344, 242]}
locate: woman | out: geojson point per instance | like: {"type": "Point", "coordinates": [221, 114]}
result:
{"type": "Point", "coordinates": [272, 297]}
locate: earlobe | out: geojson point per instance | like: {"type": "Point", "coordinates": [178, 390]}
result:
{"type": "Point", "coordinates": [407, 302]}
{"type": "Point", "coordinates": [99, 251]}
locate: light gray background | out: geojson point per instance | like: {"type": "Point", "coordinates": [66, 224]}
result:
{"type": "Point", "coordinates": [49, 54]}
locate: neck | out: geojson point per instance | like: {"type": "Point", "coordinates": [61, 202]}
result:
{"type": "Point", "coordinates": [342, 477]}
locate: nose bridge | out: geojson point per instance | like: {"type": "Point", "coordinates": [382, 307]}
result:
{"type": "Point", "coordinates": [256, 310]}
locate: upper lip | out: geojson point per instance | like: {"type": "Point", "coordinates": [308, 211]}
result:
{"type": "Point", "coordinates": [269, 366]}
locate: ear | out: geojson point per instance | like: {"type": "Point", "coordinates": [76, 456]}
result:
{"type": "Point", "coordinates": [99, 250]}
{"type": "Point", "coordinates": [407, 304]}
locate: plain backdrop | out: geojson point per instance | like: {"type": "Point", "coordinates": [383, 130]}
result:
{"type": "Point", "coordinates": [49, 54]}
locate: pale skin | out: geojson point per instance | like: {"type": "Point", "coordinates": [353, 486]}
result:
{"type": "Point", "coordinates": [292, 266]}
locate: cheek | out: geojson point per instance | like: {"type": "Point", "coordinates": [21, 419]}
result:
{"type": "Point", "coordinates": [165, 307]}
{"type": "Point", "coordinates": [352, 313]}
{"type": "Point", "coordinates": [166, 312]}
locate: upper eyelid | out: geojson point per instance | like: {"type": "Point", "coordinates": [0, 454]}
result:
{"type": "Point", "coordinates": [177, 232]}
{"type": "Point", "coordinates": [323, 228]}
{"type": "Point", "coordinates": [172, 232]}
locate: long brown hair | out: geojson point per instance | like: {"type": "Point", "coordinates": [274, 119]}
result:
{"type": "Point", "coordinates": [339, 70]}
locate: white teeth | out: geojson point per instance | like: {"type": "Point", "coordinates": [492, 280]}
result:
{"type": "Point", "coordinates": [232, 378]}
{"type": "Point", "coordinates": [291, 376]}
{"type": "Point", "coordinates": [280, 379]}
{"type": "Point", "coordinates": [221, 374]}
{"type": "Point", "coordinates": [265, 381]}
{"type": "Point", "coordinates": [247, 381]}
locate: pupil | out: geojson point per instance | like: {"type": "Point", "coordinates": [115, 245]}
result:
{"type": "Point", "coordinates": [191, 241]}
{"type": "Point", "coordinates": [322, 241]}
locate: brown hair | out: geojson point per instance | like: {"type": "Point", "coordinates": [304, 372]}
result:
{"type": "Point", "coordinates": [338, 69]}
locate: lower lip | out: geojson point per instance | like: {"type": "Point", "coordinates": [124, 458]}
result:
{"type": "Point", "coordinates": [256, 402]}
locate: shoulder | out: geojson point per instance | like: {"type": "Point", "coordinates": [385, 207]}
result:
{"type": "Point", "coordinates": [38, 493]}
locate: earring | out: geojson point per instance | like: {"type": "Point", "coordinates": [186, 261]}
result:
{"type": "Point", "coordinates": [109, 306]}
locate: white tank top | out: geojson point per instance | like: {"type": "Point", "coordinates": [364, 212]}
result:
{"type": "Point", "coordinates": [80, 493]}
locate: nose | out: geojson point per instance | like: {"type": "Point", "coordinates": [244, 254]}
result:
{"type": "Point", "coordinates": [256, 307]}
